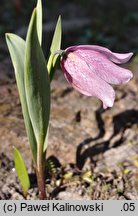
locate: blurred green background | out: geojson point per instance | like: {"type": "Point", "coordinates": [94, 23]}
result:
{"type": "Point", "coordinates": [111, 23]}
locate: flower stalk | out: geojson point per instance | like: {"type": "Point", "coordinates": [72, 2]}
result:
{"type": "Point", "coordinates": [40, 173]}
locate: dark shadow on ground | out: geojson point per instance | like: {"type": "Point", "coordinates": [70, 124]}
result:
{"type": "Point", "coordinates": [121, 122]}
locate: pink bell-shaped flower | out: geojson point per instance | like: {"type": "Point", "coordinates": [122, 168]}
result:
{"type": "Point", "coordinates": [91, 70]}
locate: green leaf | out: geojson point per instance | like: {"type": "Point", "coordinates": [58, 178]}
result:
{"type": "Point", "coordinates": [39, 20]}
{"type": "Point", "coordinates": [37, 84]}
{"type": "Point", "coordinates": [46, 141]}
{"type": "Point", "coordinates": [56, 44]}
{"type": "Point", "coordinates": [21, 171]}
{"type": "Point", "coordinates": [16, 47]}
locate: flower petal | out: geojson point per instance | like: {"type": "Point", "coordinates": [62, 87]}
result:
{"type": "Point", "coordinates": [103, 67]}
{"type": "Point", "coordinates": [79, 75]}
{"type": "Point", "coordinates": [118, 58]}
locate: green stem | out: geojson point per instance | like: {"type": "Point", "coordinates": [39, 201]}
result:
{"type": "Point", "coordinates": [40, 173]}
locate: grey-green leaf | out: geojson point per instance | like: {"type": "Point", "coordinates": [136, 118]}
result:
{"type": "Point", "coordinates": [55, 45]}
{"type": "Point", "coordinates": [39, 20]}
{"type": "Point", "coordinates": [37, 84]}
{"type": "Point", "coordinates": [16, 47]}
{"type": "Point", "coordinates": [21, 171]}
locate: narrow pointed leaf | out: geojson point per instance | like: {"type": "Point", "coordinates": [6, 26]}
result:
{"type": "Point", "coordinates": [21, 171]}
{"type": "Point", "coordinates": [46, 141]}
{"type": "Point", "coordinates": [39, 20]}
{"type": "Point", "coordinates": [37, 84]}
{"type": "Point", "coordinates": [16, 47]}
{"type": "Point", "coordinates": [56, 44]}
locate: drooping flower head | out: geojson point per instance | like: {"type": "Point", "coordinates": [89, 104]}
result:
{"type": "Point", "coordinates": [91, 69]}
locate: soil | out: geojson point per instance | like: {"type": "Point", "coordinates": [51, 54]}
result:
{"type": "Point", "coordinates": [92, 153]}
